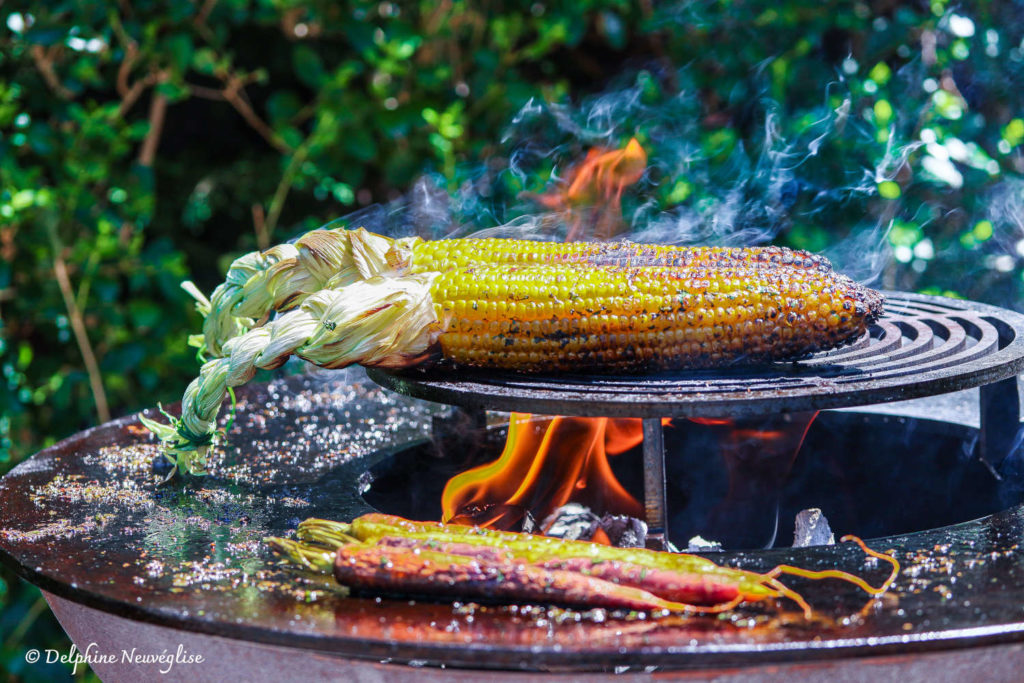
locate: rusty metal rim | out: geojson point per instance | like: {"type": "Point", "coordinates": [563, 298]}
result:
{"type": "Point", "coordinates": [743, 392]}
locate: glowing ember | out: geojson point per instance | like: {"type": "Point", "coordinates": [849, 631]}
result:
{"type": "Point", "coordinates": [546, 463]}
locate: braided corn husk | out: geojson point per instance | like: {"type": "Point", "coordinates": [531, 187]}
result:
{"type": "Point", "coordinates": [387, 322]}
{"type": "Point", "coordinates": [282, 277]}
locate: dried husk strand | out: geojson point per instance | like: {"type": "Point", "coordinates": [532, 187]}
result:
{"type": "Point", "coordinates": [281, 278]}
{"type": "Point", "coordinates": [386, 322]}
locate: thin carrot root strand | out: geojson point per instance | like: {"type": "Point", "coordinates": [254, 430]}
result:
{"type": "Point", "coordinates": [781, 569]}
{"type": "Point", "coordinates": [715, 609]}
{"type": "Point", "coordinates": [787, 592]}
{"type": "Point", "coordinates": [879, 556]}
{"type": "Point", "coordinates": [825, 574]}
{"type": "Point", "coordinates": [771, 578]}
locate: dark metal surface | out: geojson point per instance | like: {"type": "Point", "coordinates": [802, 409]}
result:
{"type": "Point", "coordinates": [999, 415]}
{"type": "Point", "coordinates": [924, 345]}
{"type": "Point", "coordinates": [655, 511]}
{"type": "Point", "coordinates": [87, 520]}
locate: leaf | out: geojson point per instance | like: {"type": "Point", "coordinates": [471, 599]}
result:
{"type": "Point", "coordinates": [282, 106]}
{"type": "Point", "coordinates": [144, 314]}
{"type": "Point", "coordinates": [175, 92]}
{"type": "Point", "coordinates": [179, 47]}
{"type": "Point", "coordinates": [360, 144]}
{"type": "Point", "coordinates": [45, 36]}
{"type": "Point", "coordinates": [308, 66]}
{"type": "Point", "coordinates": [204, 60]}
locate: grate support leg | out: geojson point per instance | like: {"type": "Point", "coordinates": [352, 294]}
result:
{"type": "Point", "coordinates": [655, 512]}
{"type": "Point", "coordinates": [1000, 421]}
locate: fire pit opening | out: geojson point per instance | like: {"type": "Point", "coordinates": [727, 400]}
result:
{"type": "Point", "coordinates": [871, 474]}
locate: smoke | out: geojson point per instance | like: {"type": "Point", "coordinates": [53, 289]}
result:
{"type": "Point", "coordinates": [1005, 211]}
{"type": "Point", "coordinates": [704, 183]}
{"type": "Point", "coordinates": [891, 189]}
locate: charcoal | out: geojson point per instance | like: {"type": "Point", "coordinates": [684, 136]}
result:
{"type": "Point", "coordinates": [812, 529]}
{"type": "Point", "coordinates": [624, 531]}
{"type": "Point", "coordinates": [577, 522]}
{"type": "Point", "coordinates": [529, 524]}
{"type": "Point", "coordinates": [699, 544]}
{"type": "Point", "coordinates": [571, 521]}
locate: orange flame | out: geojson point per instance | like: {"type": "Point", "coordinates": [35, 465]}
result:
{"type": "Point", "coordinates": [548, 463]}
{"type": "Point", "coordinates": [597, 183]}
{"type": "Point", "coordinates": [544, 465]}
{"type": "Point", "coordinates": [603, 174]}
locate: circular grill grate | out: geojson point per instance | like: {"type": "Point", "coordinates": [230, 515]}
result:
{"type": "Point", "coordinates": [923, 345]}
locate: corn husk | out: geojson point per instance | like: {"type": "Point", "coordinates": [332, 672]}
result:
{"type": "Point", "coordinates": [382, 321]}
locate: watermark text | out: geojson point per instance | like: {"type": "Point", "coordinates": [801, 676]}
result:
{"type": "Point", "coordinates": [164, 660]}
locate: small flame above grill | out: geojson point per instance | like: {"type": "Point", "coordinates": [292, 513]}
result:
{"type": "Point", "coordinates": [591, 200]}
{"type": "Point", "coordinates": [545, 464]}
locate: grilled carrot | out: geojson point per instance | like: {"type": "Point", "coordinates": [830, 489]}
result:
{"type": "Point", "coordinates": [394, 555]}
{"type": "Point", "coordinates": [692, 589]}
{"type": "Point", "coordinates": [436, 574]}
{"type": "Point", "coordinates": [699, 587]}
{"type": "Point", "coordinates": [530, 548]}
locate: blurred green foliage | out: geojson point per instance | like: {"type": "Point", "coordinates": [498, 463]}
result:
{"type": "Point", "coordinates": [145, 143]}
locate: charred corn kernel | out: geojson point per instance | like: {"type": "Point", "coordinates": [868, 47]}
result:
{"type": "Point", "coordinates": [456, 254]}
{"type": "Point", "coordinates": [600, 318]}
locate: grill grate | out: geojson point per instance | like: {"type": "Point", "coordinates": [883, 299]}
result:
{"type": "Point", "coordinates": [924, 345]}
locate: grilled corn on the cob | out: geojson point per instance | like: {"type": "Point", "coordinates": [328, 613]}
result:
{"type": "Point", "coordinates": [537, 318]}
{"type": "Point", "coordinates": [282, 277]}
{"type": "Point", "coordinates": [543, 318]}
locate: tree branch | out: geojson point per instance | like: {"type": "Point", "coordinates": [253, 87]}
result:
{"type": "Point", "coordinates": [131, 53]}
{"type": "Point", "coordinates": [204, 92]}
{"type": "Point", "coordinates": [43, 58]}
{"type": "Point", "coordinates": [259, 224]}
{"type": "Point", "coordinates": [234, 93]}
{"type": "Point", "coordinates": [285, 186]}
{"type": "Point", "coordinates": [130, 92]}
{"type": "Point", "coordinates": [204, 13]}
{"type": "Point", "coordinates": [92, 368]}
{"type": "Point", "coordinates": [157, 113]}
